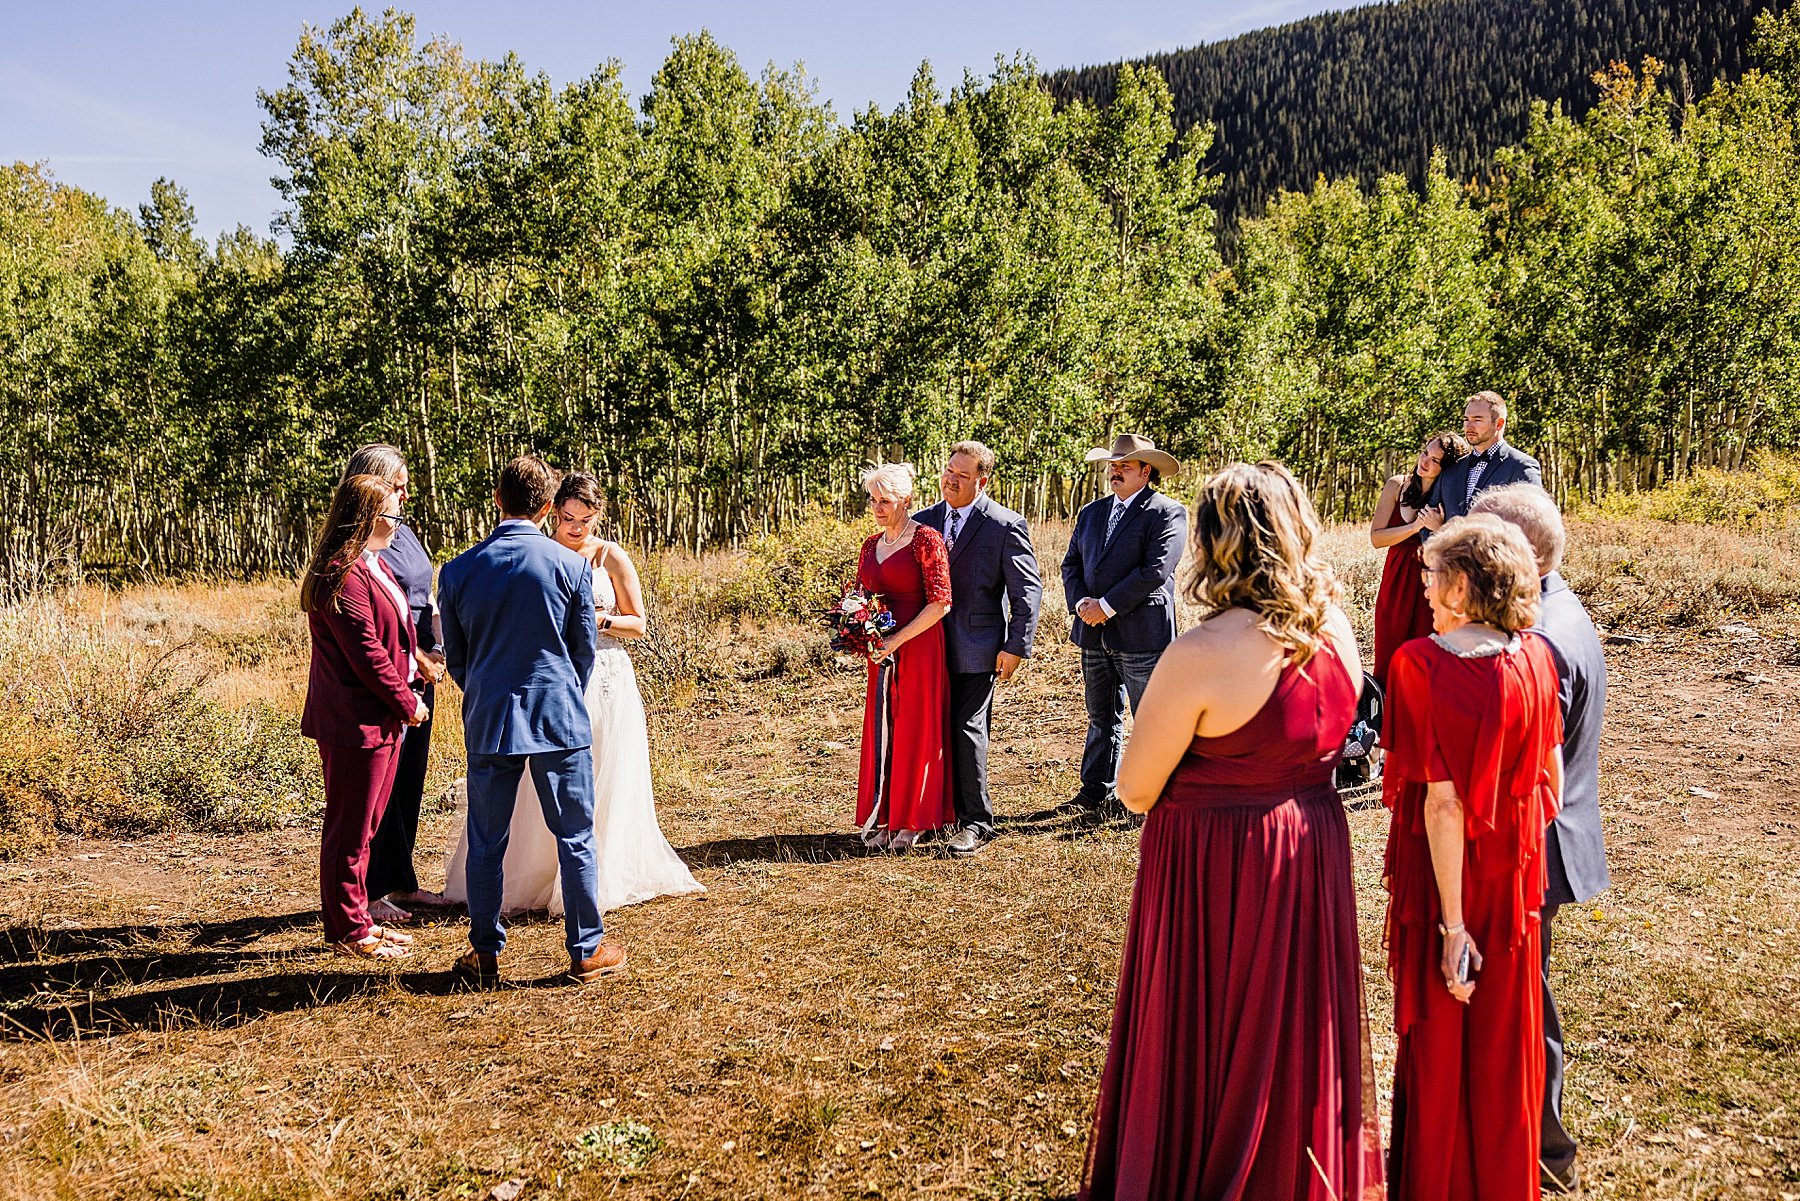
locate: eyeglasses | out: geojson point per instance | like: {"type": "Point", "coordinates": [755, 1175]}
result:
{"type": "Point", "coordinates": [399, 519]}
{"type": "Point", "coordinates": [1428, 574]}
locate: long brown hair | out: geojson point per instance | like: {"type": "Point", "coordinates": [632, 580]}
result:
{"type": "Point", "coordinates": [1454, 446]}
{"type": "Point", "coordinates": [349, 524]}
{"type": "Point", "coordinates": [1255, 531]}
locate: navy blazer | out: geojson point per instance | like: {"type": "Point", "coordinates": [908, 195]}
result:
{"type": "Point", "coordinates": [519, 637]}
{"type": "Point", "coordinates": [1506, 465]}
{"type": "Point", "coordinates": [995, 589]}
{"type": "Point", "coordinates": [407, 559]}
{"type": "Point", "coordinates": [359, 683]}
{"type": "Point", "coordinates": [1134, 572]}
{"type": "Point", "coordinates": [1577, 853]}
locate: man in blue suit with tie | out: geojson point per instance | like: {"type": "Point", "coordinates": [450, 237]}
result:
{"type": "Point", "coordinates": [519, 639]}
{"type": "Point", "coordinates": [1492, 462]}
{"type": "Point", "coordinates": [1119, 583]}
{"type": "Point", "coordinates": [995, 586]}
{"type": "Point", "coordinates": [1574, 852]}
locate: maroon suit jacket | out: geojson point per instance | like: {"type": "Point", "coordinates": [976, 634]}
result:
{"type": "Point", "coordinates": [358, 691]}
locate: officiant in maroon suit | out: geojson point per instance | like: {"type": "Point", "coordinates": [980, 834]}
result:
{"type": "Point", "coordinates": [997, 592]}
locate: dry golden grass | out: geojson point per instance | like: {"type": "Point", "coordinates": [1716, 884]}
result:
{"type": "Point", "coordinates": [828, 1024]}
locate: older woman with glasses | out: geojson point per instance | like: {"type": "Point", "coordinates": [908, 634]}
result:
{"type": "Point", "coordinates": [1474, 774]}
{"type": "Point", "coordinates": [359, 697]}
{"type": "Point", "coordinates": [393, 882]}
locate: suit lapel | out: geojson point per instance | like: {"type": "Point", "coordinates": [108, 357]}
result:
{"type": "Point", "coordinates": [1131, 511]}
{"type": "Point", "coordinates": [977, 514]}
{"type": "Point", "coordinates": [379, 587]}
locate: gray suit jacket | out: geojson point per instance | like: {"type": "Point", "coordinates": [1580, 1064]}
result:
{"type": "Point", "coordinates": [1507, 464]}
{"type": "Point", "coordinates": [995, 591]}
{"type": "Point", "coordinates": [1577, 855]}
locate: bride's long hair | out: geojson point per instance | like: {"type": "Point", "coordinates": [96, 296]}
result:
{"type": "Point", "coordinates": [349, 524]}
{"type": "Point", "coordinates": [1255, 533]}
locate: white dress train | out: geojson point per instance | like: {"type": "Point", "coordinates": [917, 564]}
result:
{"type": "Point", "coordinates": [636, 861]}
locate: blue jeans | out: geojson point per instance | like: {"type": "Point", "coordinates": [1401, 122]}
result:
{"type": "Point", "coordinates": [565, 789]}
{"type": "Point", "coordinates": [1111, 679]}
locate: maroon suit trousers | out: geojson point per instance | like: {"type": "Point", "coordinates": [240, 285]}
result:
{"type": "Point", "coordinates": [357, 783]}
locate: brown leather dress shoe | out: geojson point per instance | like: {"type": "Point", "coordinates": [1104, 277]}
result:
{"type": "Point", "coordinates": [481, 968]}
{"type": "Point", "coordinates": [608, 960]}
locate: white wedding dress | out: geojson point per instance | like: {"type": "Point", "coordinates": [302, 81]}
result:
{"type": "Point", "coordinates": [636, 862]}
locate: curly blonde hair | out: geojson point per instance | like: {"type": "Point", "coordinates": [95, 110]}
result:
{"type": "Point", "coordinates": [1495, 559]}
{"type": "Point", "coordinates": [1255, 531]}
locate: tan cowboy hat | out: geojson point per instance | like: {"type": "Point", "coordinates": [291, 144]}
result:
{"type": "Point", "coordinates": [1136, 446]}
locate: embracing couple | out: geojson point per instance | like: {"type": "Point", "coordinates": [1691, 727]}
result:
{"type": "Point", "coordinates": [962, 582]}
{"type": "Point", "coordinates": [551, 714]}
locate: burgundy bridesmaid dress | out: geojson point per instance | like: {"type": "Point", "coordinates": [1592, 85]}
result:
{"type": "Point", "coordinates": [1239, 1064]}
{"type": "Point", "coordinates": [1401, 610]}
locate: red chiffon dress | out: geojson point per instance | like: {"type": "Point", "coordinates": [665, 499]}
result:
{"type": "Point", "coordinates": [1239, 1064]}
{"type": "Point", "coordinates": [1469, 1079]}
{"type": "Point", "coordinates": [905, 778]}
{"type": "Point", "coordinates": [1401, 610]}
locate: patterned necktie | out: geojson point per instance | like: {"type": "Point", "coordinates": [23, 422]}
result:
{"type": "Point", "coordinates": [1476, 470]}
{"type": "Point", "coordinates": [950, 534]}
{"type": "Point", "coordinates": [1112, 522]}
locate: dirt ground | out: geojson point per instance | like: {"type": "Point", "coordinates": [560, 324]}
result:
{"type": "Point", "coordinates": [827, 1023]}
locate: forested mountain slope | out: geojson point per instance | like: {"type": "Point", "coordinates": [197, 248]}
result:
{"type": "Point", "coordinates": [1373, 89]}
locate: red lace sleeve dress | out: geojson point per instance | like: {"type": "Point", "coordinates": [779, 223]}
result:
{"type": "Point", "coordinates": [905, 779]}
{"type": "Point", "coordinates": [1469, 1079]}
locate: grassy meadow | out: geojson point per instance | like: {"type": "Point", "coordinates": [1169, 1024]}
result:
{"type": "Point", "coordinates": [822, 1023]}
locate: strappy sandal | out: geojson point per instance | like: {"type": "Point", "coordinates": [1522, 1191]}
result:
{"type": "Point", "coordinates": [386, 912]}
{"type": "Point", "coordinates": [372, 948]}
{"type": "Point", "coordinates": [388, 934]}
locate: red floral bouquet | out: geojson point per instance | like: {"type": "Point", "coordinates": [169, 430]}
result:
{"type": "Point", "coordinates": [859, 622]}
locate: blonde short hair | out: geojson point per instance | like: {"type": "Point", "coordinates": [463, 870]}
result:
{"type": "Point", "coordinates": [1494, 559]}
{"type": "Point", "coordinates": [1530, 508]}
{"type": "Point", "coordinates": [891, 480]}
{"type": "Point", "coordinates": [1255, 547]}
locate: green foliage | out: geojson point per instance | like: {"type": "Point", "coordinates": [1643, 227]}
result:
{"type": "Point", "coordinates": [1765, 495]}
{"type": "Point", "coordinates": [103, 735]}
{"type": "Point", "coordinates": [1378, 88]}
{"type": "Point", "coordinates": [724, 300]}
{"type": "Point", "coordinates": [625, 1145]}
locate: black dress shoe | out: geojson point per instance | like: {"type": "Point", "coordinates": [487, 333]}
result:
{"type": "Point", "coordinates": [1558, 1182]}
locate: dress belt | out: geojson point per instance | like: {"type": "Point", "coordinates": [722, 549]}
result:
{"type": "Point", "coordinates": [1210, 795]}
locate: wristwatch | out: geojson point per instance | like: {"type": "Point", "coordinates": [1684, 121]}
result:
{"type": "Point", "coordinates": [606, 623]}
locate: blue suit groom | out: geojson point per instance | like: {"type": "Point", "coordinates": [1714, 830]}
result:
{"type": "Point", "coordinates": [519, 638]}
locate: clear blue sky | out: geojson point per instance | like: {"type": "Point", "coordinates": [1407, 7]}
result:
{"type": "Point", "coordinates": [113, 93]}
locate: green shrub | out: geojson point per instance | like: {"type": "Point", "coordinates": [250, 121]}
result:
{"type": "Point", "coordinates": [793, 574]}
{"type": "Point", "coordinates": [1766, 493]}
{"type": "Point", "coordinates": [107, 734]}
